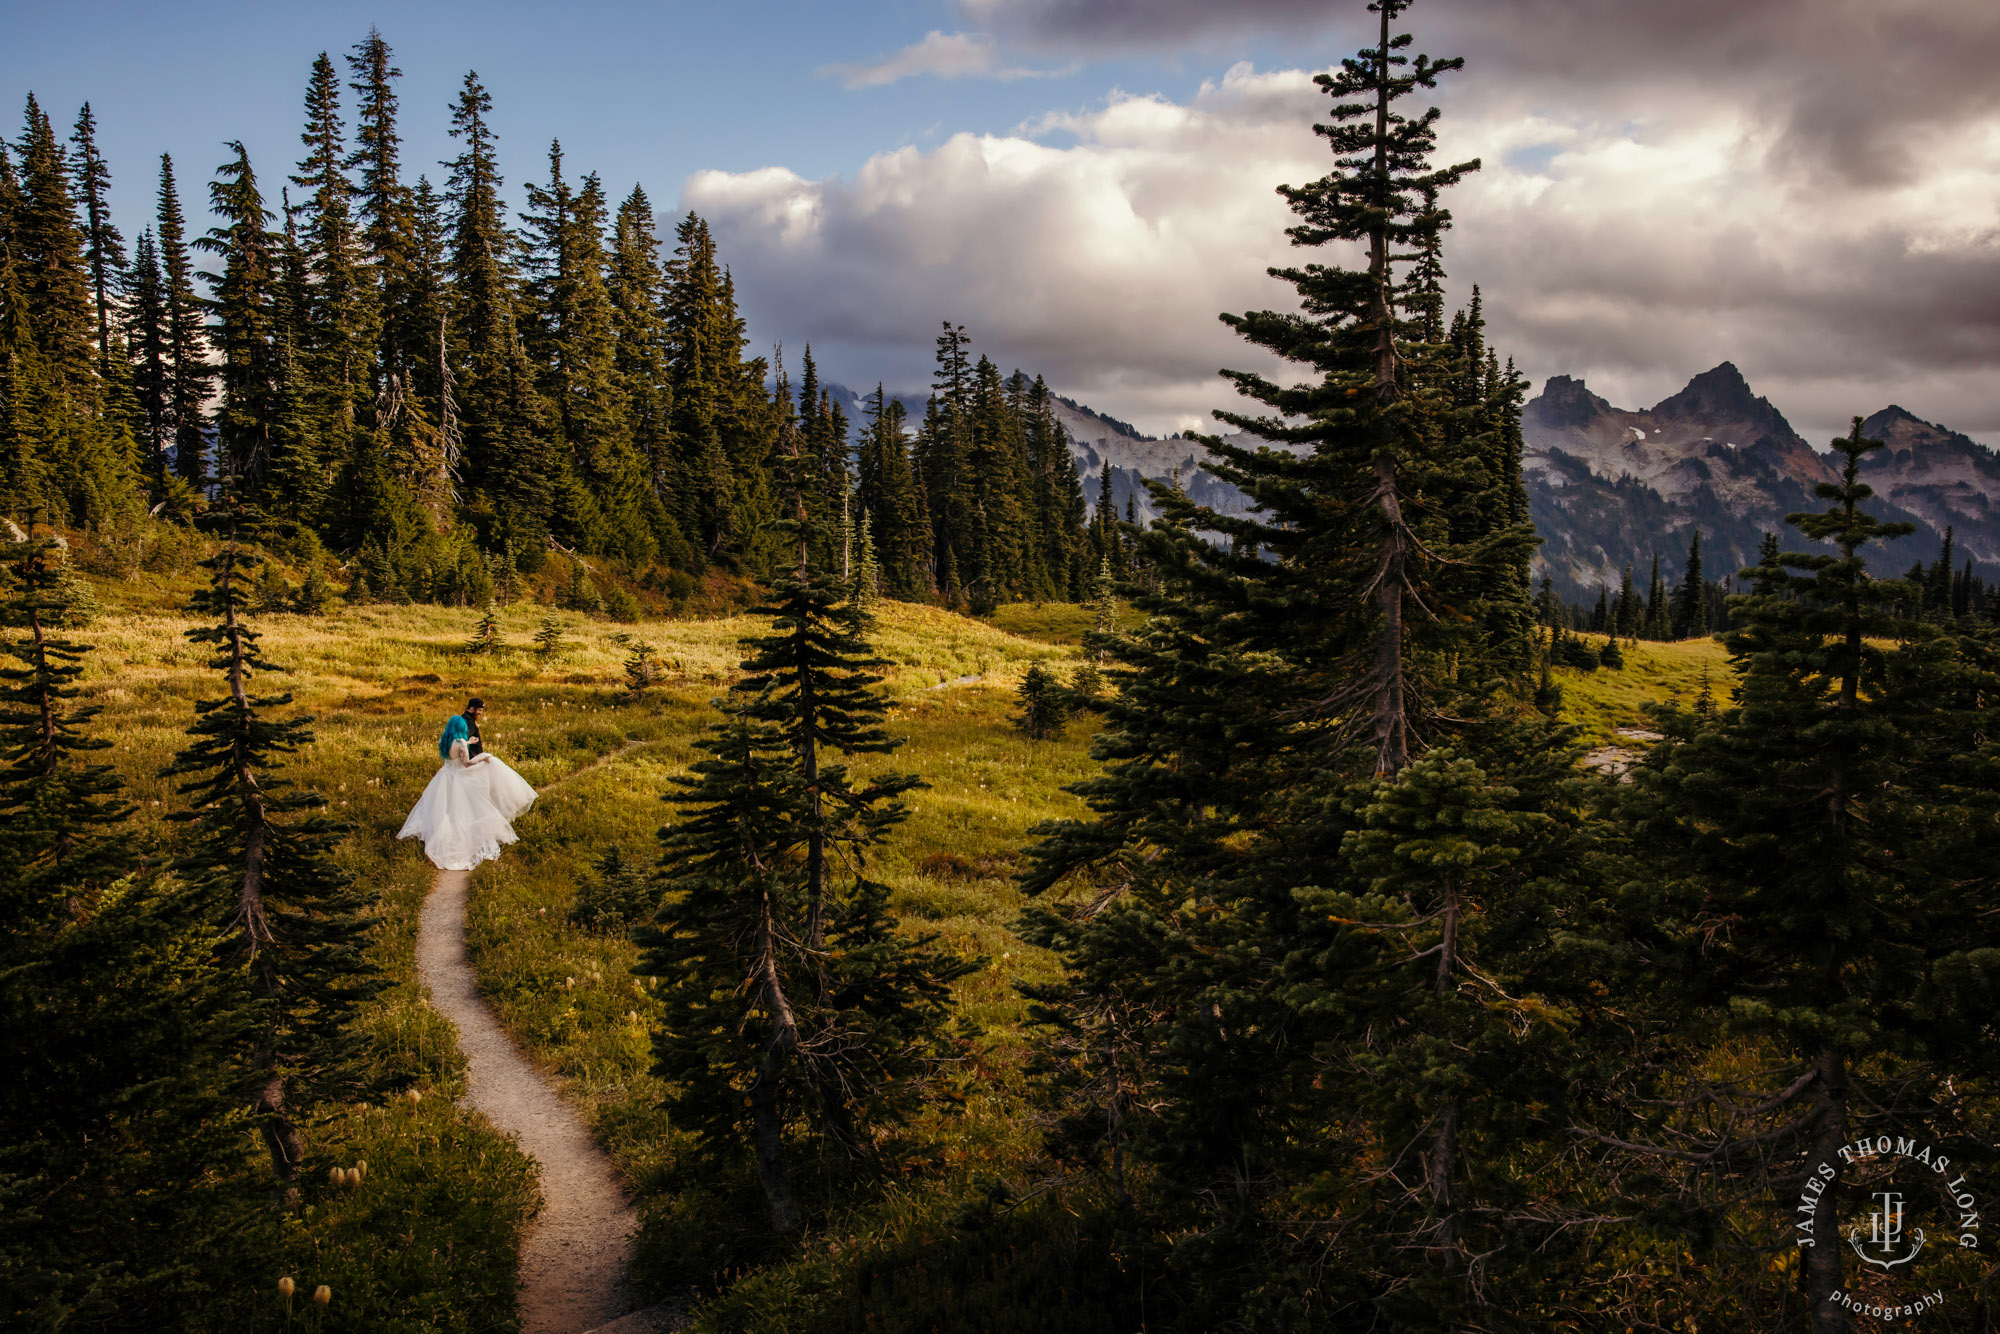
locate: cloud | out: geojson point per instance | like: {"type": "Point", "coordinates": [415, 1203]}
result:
{"type": "Point", "coordinates": [1630, 236]}
{"type": "Point", "coordinates": [1102, 264]}
{"type": "Point", "coordinates": [941, 55]}
{"type": "Point", "coordinates": [1845, 81]}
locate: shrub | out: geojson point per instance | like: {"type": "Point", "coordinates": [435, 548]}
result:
{"type": "Point", "coordinates": [621, 605]}
{"type": "Point", "coordinates": [619, 896]}
{"type": "Point", "coordinates": [1569, 651]}
{"type": "Point", "coordinates": [1043, 710]}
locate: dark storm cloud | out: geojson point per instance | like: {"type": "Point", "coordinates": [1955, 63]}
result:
{"type": "Point", "coordinates": [1848, 80]}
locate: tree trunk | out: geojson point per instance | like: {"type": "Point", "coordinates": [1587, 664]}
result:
{"type": "Point", "coordinates": [1823, 1266]}
{"type": "Point", "coordinates": [769, 1132]}
{"type": "Point", "coordinates": [1444, 1147]}
{"type": "Point", "coordinates": [767, 1123]}
{"type": "Point", "coordinates": [1391, 722]}
{"type": "Point", "coordinates": [281, 1135]}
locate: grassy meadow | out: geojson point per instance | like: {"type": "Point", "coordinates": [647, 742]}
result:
{"type": "Point", "coordinates": [1601, 702]}
{"type": "Point", "coordinates": [380, 681]}
{"type": "Point", "coordinates": [428, 1241]}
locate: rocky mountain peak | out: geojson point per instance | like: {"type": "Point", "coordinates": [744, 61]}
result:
{"type": "Point", "coordinates": [1566, 402]}
{"type": "Point", "coordinates": [1722, 392]}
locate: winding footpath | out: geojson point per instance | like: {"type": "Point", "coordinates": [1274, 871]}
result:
{"type": "Point", "coordinates": [575, 1251]}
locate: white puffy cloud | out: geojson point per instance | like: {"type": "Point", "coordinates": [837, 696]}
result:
{"type": "Point", "coordinates": [940, 55]}
{"type": "Point", "coordinates": [1634, 234]}
{"type": "Point", "coordinates": [1101, 263]}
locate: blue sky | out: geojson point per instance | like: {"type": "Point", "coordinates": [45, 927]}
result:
{"type": "Point", "coordinates": [1809, 188]}
{"type": "Point", "coordinates": [640, 93]}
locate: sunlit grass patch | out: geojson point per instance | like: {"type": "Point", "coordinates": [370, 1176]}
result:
{"type": "Point", "coordinates": [1605, 700]}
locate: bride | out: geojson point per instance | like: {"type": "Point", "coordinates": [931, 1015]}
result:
{"type": "Point", "coordinates": [464, 815]}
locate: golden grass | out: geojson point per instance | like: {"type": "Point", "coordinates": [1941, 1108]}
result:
{"type": "Point", "coordinates": [382, 680]}
{"type": "Point", "coordinates": [1603, 701]}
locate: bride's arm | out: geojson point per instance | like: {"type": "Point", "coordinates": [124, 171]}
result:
{"type": "Point", "coordinates": [463, 754]}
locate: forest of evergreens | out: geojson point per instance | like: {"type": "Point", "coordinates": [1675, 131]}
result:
{"type": "Point", "coordinates": [1361, 1002]}
{"type": "Point", "coordinates": [393, 372]}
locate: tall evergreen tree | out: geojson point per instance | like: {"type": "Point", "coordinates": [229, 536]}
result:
{"type": "Point", "coordinates": [1659, 622]}
{"type": "Point", "coordinates": [1688, 614]}
{"type": "Point", "coordinates": [892, 501]}
{"type": "Point", "coordinates": [190, 374]}
{"type": "Point", "coordinates": [506, 452]}
{"type": "Point", "coordinates": [334, 347]}
{"type": "Point", "coordinates": [51, 268]}
{"type": "Point", "coordinates": [103, 244]}
{"type": "Point", "coordinates": [1629, 612]}
{"type": "Point", "coordinates": [292, 919]}
{"type": "Point", "coordinates": [843, 1016]}
{"type": "Point", "coordinates": [243, 296]}
{"type": "Point", "coordinates": [634, 282]}
{"type": "Point", "coordinates": [1262, 939]}
{"type": "Point", "coordinates": [1822, 819]}
{"type": "Point", "coordinates": [147, 342]}
{"type": "Point", "coordinates": [117, 1116]}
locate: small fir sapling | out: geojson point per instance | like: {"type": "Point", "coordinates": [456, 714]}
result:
{"type": "Point", "coordinates": [642, 667]}
{"type": "Point", "coordinates": [549, 641]}
{"type": "Point", "coordinates": [486, 635]}
{"type": "Point", "coordinates": [620, 894]}
{"type": "Point", "coordinates": [1043, 711]}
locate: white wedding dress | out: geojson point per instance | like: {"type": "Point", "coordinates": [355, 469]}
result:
{"type": "Point", "coordinates": [467, 812]}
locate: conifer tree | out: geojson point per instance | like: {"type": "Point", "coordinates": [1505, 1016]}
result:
{"type": "Point", "coordinates": [387, 222]}
{"type": "Point", "coordinates": [68, 442]}
{"type": "Point", "coordinates": [892, 502]}
{"type": "Point", "coordinates": [867, 586]}
{"type": "Point", "coordinates": [501, 414]}
{"type": "Point", "coordinates": [334, 344]}
{"type": "Point", "coordinates": [766, 879]}
{"type": "Point", "coordinates": [572, 337]}
{"type": "Point", "coordinates": [634, 283]}
{"type": "Point", "coordinates": [487, 635]}
{"type": "Point", "coordinates": [620, 894]}
{"type": "Point", "coordinates": [1042, 712]}
{"type": "Point", "coordinates": [1628, 613]}
{"type": "Point", "coordinates": [549, 640]}
{"type": "Point", "coordinates": [1819, 818]}
{"type": "Point", "coordinates": [116, 1028]}
{"type": "Point", "coordinates": [292, 921]}
{"type": "Point", "coordinates": [1689, 613]}
{"type": "Point", "coordinates": [244, 295]}
{"type": "Point", "coordinates": [50, 267]}
{"type": "Point", "coordinates": [190, 374]}
{"type": "Point", "coordinates": [642, 668]}
{"type": "Point", "coordinates": [146, 339]}
{"type": "Point", "coordinates": [1265, 733]}
{"type": "Point", "coordinates": [103, 244]}
{"type": "Point", "coordinates": [1658, 622]}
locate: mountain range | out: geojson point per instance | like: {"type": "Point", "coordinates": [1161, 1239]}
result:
{"type": "Point", "coordinates": [1607, 485]}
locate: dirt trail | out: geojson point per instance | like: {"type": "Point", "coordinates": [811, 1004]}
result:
{"type": "Point", "coordinates": [574, 1255]}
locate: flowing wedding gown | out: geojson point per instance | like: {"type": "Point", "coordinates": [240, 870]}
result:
{"type": "Point", "coordinates": [466, 813]}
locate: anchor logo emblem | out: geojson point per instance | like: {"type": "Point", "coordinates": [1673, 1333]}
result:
{"type": "Point", "coordinates": [1885, 1235]}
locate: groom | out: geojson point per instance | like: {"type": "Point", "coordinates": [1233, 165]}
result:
{"type": "Point", "coordinates": [473, 708]}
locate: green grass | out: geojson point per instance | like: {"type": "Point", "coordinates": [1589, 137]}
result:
{"type": "Point", "coordinates": [1603, 701]}
{"type": "Point", "coordinates": [428, 1242]}
{"type": "Point", "coordinates": [1056, 622]}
